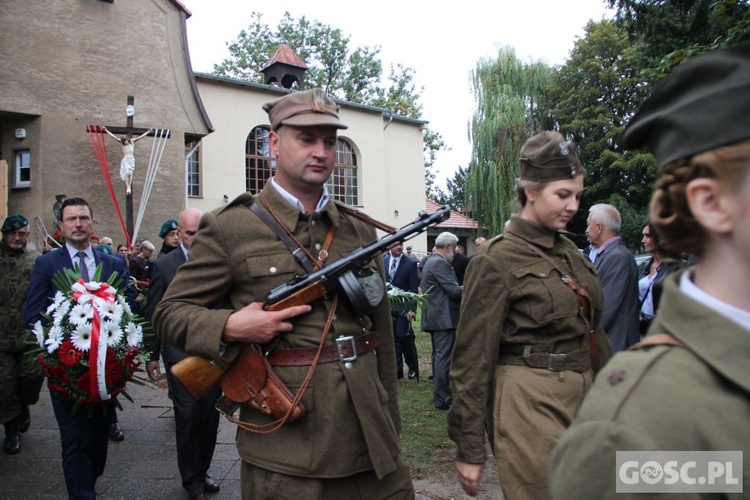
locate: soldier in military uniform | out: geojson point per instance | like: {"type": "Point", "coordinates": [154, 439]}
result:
{"type": "Point", "coordinates": [347, 446]}
{"type": "Point", "coordinates": [687, 385]}
{"type": "Point", "coordinates": [523, 356]}
{"type": "Point", "coordinates": [20, 378]}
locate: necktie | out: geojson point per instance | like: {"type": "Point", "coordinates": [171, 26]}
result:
{"type": "Point", "coordinates": [84, 268]}
{"type": "Point", "coordinates": [392, 271]}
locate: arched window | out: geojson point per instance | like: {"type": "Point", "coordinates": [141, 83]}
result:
{"type": "Point", "coordinates": [343, 183]}
{"type": "Point", "coordinates": [258, 161]}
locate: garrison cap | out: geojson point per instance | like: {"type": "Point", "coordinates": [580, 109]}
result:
{"type": "Point", "coordinates": [547, 156]}
{"type": "Point", "coordinates": [701, 105]}
{"type": "Point", "coordinates": [310, 108]}
{"type": "Point", "coordinates": [169, 225]}
{"type": "Point", "coordinates": [13, 222]}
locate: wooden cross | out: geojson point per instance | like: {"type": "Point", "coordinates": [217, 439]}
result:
{"type": "Point", "coordinates": [129, 131]}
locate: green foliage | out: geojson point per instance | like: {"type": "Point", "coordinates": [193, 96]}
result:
{"type": "Point", "coordinates": [455, 194]}
{"type": "Point", "coordinates": [507, 92]}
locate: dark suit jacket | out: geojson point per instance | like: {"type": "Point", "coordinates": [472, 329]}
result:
{"type": "Point", "coordinates": [459, 263]}
{"type": "Point", "coordinates": [443, 302]}
{"type": "Point", "coordinates": [164, 271]}
{"type": "Point", "coordinates": [41, 287]}
{"type": "Point", "coordinates": [618, 275]}
{"type": "Point", "coordinates": [406, 278]}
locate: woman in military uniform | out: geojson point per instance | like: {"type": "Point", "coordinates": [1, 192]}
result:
{"type": "Point", "coordinates": [697, 125]}
{"type": "Point", "coordinates": [523, 356]}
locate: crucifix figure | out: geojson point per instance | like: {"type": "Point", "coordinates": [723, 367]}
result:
{"type": "Point", "coordinates": [127, 164]}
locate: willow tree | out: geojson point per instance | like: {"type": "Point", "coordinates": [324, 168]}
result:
{"type": "Point", "coordinates": [507, 93]}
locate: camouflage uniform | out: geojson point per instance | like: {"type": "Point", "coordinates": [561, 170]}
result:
{"type": "Point", "coordinates": [20, 378]}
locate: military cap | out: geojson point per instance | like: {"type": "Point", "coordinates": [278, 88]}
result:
{"type": "Point", "coordinates": [701, 105]}
{"type": "Point", "coordinates": [13, 222]}
{"type": "Point", "coordinates": [547, 156]}
{"type": "Point", "coordinates": [169, 225]}
{"type": "Point", "coordinates": [304, 109]}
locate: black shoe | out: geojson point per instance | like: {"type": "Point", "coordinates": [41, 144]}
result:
{"type": "Point", "coordinates": [12, 445]}
{"type": "Point", "coordinates": [25, 419]}
{"type": "Point", "coordinates": [399, 376]}
{"type": "Point", "coordinates": [196, 493]}
{"type": "Point", "coordinates": [412, 374]}
{"type": "Point", "coordinates": [115, 433]}
{"type": "Point", "coordinates": [443, 406]}
{"type": "Point", "coordinates": [209, 485]}
{"type": "Point", "coordinates": [430, 378]}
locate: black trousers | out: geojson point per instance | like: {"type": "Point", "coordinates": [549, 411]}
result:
{"type": "Point", "coordinates": [196, 425]}
{"type": "Point", "coordinates": [405, 348]}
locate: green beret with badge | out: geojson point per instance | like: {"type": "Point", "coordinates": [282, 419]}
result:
{"type": "Point", "coordinates": [169, 225]}
{"type": "Point", "coordinates": [14, 222]}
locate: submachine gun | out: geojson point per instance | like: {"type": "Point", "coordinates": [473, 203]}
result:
{"type": "Point", "coordinates": [347, 274]}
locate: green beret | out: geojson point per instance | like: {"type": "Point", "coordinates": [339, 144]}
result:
{"type": "Point", "coordinates": [13, 222]}
{"type": "Point", "coordinates": [311, 108]}
{"type": "Point", "coordinates": [168, 226]}
{"type": "Point", "coordinates": [701, 105]}
{"type": "Point", "coordinates": [547, 156]}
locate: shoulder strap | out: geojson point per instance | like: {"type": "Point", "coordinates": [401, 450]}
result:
{"type": "Point", "coordinates": [657, 339]}
{"type": "Point", "coordinates": [365, 218]}
{"type": "Point", "coordinates": [292, 245]}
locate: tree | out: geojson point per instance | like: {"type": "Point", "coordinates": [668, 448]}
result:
{"type": "Point", "coordinates": [507, 94]}
{"type": "Point", "coordinates": [350, 74]}
{"type": "Point", "coordinates": [455, 194]}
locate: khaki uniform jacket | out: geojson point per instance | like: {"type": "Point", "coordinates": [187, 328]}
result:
{"type": "Point", "coordinates": [663, 398]}
{"type": "Point", "coordinates": [15, 275]}
{"type": "Point", "coordinates": [512, 296]}
{"type": "Point", "coordinates": [235, 259]}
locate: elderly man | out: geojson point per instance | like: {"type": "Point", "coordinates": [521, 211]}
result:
{"type": "Point", "coordinates": [441, 312]}
{"type": "Point", "coordinates": [20, 381]}
{"type": "Point", "coordinates": [141, 266]}
{"type": "Point", "coordinates": [618, 275]}
{"type": "Point", "coordinates": [347, 445]}
{"type": "Point", "coordinates": [196, 420]}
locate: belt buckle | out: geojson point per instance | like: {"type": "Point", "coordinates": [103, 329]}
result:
{"type": "Point", "coordinates": [552, 363]}
{"type": "Point", "coordinates": [346, 342]}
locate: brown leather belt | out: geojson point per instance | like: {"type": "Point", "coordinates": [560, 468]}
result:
{"type": "Point", "coordinates": [346, 349]}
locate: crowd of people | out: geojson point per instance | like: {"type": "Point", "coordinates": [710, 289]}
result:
{"type": "Point", "coordinates": [555, 356]}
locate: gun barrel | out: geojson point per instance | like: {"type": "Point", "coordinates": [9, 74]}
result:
{"type": "Point", "coordinates": [329, 274]}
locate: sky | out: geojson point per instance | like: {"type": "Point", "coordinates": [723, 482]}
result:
{"type": "Point", "coordinates": [441, 41]}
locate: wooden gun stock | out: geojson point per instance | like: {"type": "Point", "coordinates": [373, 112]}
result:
{"type": "Point", "coordinates": [197, 374]}
{"type": "Point", "coordinates": [299, 298]}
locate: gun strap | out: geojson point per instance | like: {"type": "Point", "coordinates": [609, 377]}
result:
{"type": "Point", "coordinates": [582, 294]}
{"type": "Point", "coordinates": [366, 218]}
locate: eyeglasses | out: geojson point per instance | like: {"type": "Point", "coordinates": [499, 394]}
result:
{"type": "Point", "coordinates": [19, 234]}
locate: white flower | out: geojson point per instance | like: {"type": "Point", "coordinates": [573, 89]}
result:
{"type": "Point", "coordinates": [61, 313]}
{"type": "Point", "coordinates": [111, 310]}
{"type": "Point", "coordinates": [81, 314]}
{"type": "Point", "coordinates": [60, 298]}
{"type": "Point", "coordinates": [55, 339]}
{"type": "Point", "coordinates": [112, 331]}
{"type": "Point", "coordinates": [134, 333]}
{"type": "Point", "coordinates": [39, 333]}
{"type": "Point", "coordinates": [81, 337]}
{"type": "Point", "coordinates": [124, 303]}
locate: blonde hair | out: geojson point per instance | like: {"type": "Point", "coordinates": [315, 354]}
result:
{"type": "Point", "coordinates": [670, 211]}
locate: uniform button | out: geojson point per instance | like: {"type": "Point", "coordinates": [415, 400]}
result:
{"type": "Point", "coordinates": [348, 365]}
{"type": "Point", "coordinates": [273, 269]}
{"type": "Point", "coordinates": [318, 246]}
{"type": "Point", "coordinates": [312, 223]}
{"type": "Point", "coordinates": [335, 317]}
{"type": "Point", "coordinates": [616, 377]}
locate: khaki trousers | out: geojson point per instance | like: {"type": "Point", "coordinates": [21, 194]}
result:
{"type": "Point", "coordinates": [531, 409]}
{"type": "Point", "coordinates": [262, 484]}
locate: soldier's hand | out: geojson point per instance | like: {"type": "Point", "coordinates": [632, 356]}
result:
{"type": "Point", "coordinates": [253, 324]}
{"type": "Point", "coordinates": [469, 476]}
{"type": "Point", "coordinates": [153, 369]}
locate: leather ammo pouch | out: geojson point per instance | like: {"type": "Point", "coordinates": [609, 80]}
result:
{"type": "Point", "coordinates": [251, 381]}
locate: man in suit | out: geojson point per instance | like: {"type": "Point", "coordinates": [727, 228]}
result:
{"type": "Point", "coordinates": [84, 437]}
{"type": "Point", "coordinates": [440, 313]}
{"type": "Point", "coordinates": [618, 275]}
{"type": "Point", "coordinates": [196, 420]}
{"type": "Point", "coordinates": [459, 263]}
{"type": "Point", "coordinates": [401, 272]}
{"type": "Point", "coordinates": [347, 445]}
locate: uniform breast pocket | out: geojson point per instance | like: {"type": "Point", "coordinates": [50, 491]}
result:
{"type": "Point", "coordinates": [541, 295]}
{"type": "Point", "coordinates": [271, 269]}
